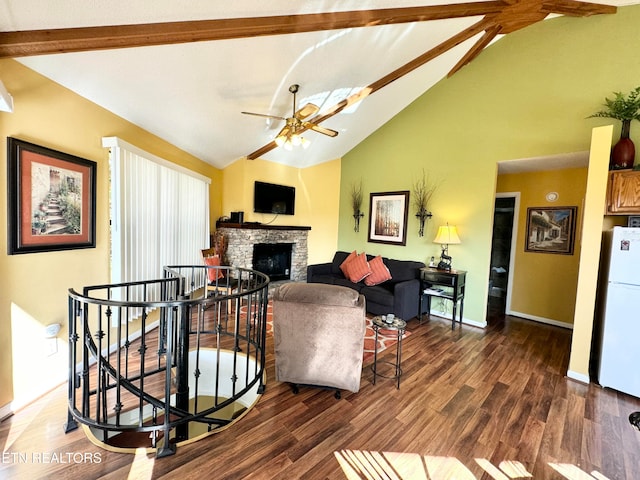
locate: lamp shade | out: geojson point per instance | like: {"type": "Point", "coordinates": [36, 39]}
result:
{"type": "Point", "coordinates": [447, 235]}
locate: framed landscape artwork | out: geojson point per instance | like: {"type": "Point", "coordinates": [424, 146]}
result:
{"type": "Point", "coordinates": [551, 229]}
{"type": "Point", "coordinates": [51, 198]}
{"type": "Point", "coordinates": [388, 213]}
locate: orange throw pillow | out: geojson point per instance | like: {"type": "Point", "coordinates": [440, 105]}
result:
{"type": "Point", "coordinates": [357, 268]}
{"type": "Point", "coordinates": [379, 272]}
{"type": "Point", "coordinates": [343, 265]}
{"type": "Point", "coordinates": [213, 273]}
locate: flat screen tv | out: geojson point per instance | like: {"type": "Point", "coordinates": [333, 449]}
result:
{"type": "Point", "coordinates": [272, 198]}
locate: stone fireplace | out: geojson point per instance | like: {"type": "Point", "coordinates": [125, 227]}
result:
{"type": "Point", "coordinates": [272, 239]}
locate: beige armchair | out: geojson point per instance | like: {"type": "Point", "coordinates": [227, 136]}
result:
{"type": "Point", "coordinates": [318, 335]}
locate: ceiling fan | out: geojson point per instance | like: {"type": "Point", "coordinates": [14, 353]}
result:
{"type": "Point", "coordinates": [290, 135]}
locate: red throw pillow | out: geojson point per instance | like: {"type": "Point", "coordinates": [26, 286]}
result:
{"type": "Point", "coordinates": [213, 273]}
{"type": "Point", "coordinates": [357, 268]}
{"type": "Point", "coordinates": [379, 272]}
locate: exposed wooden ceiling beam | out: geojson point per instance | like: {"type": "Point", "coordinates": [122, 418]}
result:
{"type": "Point", "coordinates": [389, 78]}
{"type": "Point", "coordinates": [474, 51]}
{"type": "Point", "coordinates": [43, 42]}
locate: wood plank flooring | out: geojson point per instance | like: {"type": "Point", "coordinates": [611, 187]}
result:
{"type": "Point", "coordinates": [472, 404]}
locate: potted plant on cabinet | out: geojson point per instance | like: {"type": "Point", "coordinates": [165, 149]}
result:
{"type": "Point", "coordinates": [624, 108]}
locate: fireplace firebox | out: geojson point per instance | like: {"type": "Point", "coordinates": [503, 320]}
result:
{"type": "Point", "coordinates": [273, 259]}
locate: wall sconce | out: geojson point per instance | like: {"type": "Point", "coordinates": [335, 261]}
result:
{"type": "Point", "coordinates": [356, 217]}
{"type": "Point", "coordinates": [356, 204]}
{"type": "Point", "coordinates": [447, 235]}
{"type": "Point", "coordinates": [422, 215]}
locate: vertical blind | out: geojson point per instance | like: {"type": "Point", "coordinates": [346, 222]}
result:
{"type": "Point", "coordinates": [159, 214]}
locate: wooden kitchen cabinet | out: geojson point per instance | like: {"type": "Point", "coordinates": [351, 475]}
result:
{"type": "Point", "coordinates": [623, 192]}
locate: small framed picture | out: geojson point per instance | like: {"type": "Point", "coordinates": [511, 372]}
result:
{"type": "Point", "coordinates": [51, 199]}
{"type": "Point", "coordinates": [551, 229]}
{"type": "Point", "coordinates": [388, 213]}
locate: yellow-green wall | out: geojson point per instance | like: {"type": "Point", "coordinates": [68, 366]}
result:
{"type": "Point", "coordinates": [527, 95]}
{"type": "Point", "coordinates": [34, 286]}
{"type": "Point", "coordinates": [317, 199]}
{"type": "Point", "coordinates": [544, 285]}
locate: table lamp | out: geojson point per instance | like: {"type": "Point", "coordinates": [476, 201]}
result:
{"type": "Point", "coordinates": [446, 236]}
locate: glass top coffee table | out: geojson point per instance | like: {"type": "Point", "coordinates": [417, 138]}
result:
{"type": "Point", "coordinates": [398, 325]}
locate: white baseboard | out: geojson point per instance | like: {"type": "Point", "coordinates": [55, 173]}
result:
{"type": "Point", "coordinates": [580, 377]}
{"type": "Point", "coordinates": [535, 318]}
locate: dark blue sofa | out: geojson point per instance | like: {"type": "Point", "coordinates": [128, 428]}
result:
{"type": "Point", "coordinates": [399, 296]}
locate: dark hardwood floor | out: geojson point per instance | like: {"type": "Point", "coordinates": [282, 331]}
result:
{"type": "Point", "coordinates": [472, 404]}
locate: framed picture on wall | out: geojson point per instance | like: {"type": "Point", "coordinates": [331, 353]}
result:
{"type": "Point", "coordinates": [551, 229]}
{"type": "Point", "coordinates": [51, 199]}
{"type": "Point", "coordinates": [388, 213]}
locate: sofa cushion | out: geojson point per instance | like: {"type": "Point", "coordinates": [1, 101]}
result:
{"type": "Point", "coordinates": [356, 268]}
{"type": "Point", "coordinates": [381, 295]}
{"type": "Point", "coordinates": [402, 270]}
{"type": "Point", "coordinates": [379, 272]}
{"type": "Point", "coordinates": [327, 278]}
{"type": "Point", "coordinates": [338, 259]}
{"type": "Point", "coordinates": [345, 282]}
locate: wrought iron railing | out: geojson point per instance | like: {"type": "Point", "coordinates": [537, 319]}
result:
{"type": "Point", "coordinates": [194, 361]}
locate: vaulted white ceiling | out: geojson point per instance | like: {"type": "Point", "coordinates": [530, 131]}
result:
{"type": "Point", "coordinates": [191, 94]}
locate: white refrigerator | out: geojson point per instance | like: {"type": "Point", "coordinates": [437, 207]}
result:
{"type": "Point", "coordinates": [620, 342]}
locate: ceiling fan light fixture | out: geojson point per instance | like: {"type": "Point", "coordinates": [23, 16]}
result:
{"type": "Point", "coordinates": [295, 139]}
{"type": "Point", "coordinates": [304, 142]}
{"type": "Point", "coordinates": [280, 140]}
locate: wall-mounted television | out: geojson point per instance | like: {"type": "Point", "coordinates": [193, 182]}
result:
{"type": "Point", "coordinates": [272, 198]}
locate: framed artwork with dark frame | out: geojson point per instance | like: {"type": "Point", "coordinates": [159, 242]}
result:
{"type": "Point", "coordinates": [551, 230]}
{"type": "Point", "coordinates": [51, 199]}
{"type": "Point", "coordinates": [388, 213]}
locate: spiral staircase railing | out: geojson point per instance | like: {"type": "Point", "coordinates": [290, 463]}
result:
{"type": "Point", "coordinates": [197, 357]}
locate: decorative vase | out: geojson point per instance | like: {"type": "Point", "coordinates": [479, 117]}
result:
{"type": "Point", "coordinates": [624, 152]}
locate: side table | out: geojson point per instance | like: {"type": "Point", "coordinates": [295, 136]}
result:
{"type": "Point", "coordinates": [453, 288]}
{"type": "Point", "coordinates": [399, 326]}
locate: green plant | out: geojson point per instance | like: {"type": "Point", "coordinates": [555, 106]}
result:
{"type": "Point", "coordinates": [621, 107]}
{"type": "Point", "coordinates": [356, 197]}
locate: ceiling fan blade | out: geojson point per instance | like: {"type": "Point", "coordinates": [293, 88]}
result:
{"type": "Point", "coordinates": [306, 111]}
{"type": "Point", "coordinates": [319, 129]}
{"type": "Point", "coordinates": [264, 115]}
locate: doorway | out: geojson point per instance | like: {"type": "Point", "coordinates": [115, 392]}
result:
{"type": "Point", "coordinates": [504, 225]}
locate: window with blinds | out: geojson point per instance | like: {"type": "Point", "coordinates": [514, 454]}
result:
{"type": "Point", "coordinates": [159, 214]}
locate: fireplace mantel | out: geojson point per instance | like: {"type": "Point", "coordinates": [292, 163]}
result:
{"type": "Point", "coordinates": [260, 226]}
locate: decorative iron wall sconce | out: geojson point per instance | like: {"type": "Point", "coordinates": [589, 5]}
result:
{"type": "Point", "coordinates": [356, 204]}
{"type": "Point", "coordinates": [422, 215]}
{"type": "Point", "coordinates": [423, 190]}
{"type": "Point", "coordinates": [357, 216]}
